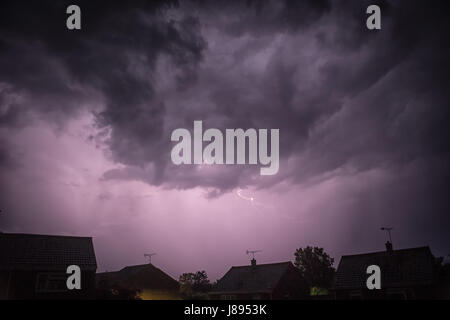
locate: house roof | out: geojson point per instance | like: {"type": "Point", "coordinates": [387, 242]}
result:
{"type": "Point", "coordinates": [258, 278]}
{"type": "Point", "coordinates": [399, 268]}
{"type": "Point", "coordinates": [145, 276]}
{"type": "Point", "coordinates": [45, 252]}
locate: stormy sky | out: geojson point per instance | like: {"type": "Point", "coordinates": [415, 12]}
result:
{"type": "Point", "coordinates": [86, 117]}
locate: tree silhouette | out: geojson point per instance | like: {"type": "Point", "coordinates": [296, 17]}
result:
{"type": "Point", "coordinates": [193, 285]}
{"type": "Point", "coordinates": [315, 265]}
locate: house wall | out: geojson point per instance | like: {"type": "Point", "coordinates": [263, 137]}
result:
{"type": "Point", "coordinates": [23, 285]}
{"type": "Point", "coordinates": [240, 296]}
{"type": "Point", "coordinates": [151, 294]}
{"type": "Point", "coordinates": [291, 286]}
{"type": "Point", "coordinates": [4, 284]}
{"type": "Point", "coordinates": [405, 293]}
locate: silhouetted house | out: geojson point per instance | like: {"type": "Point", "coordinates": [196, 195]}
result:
{"type": "Point", "coordinates": [151, 281]}
{"type": "Point", "coordinates": [34, 266]}
{"type": "Point", "coordinates": [405, 274]}
{"type": "Point", "coordinates": [264, 281]}
{"type": "Point", "coordinates": [443, 285]}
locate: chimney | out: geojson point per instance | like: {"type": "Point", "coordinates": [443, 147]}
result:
{"type": "Point", "coordinates": [253, 262]}
{"type": "Point", "coordinates": [389, 247]}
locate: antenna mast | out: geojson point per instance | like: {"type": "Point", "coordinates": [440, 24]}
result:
{"type": "Point", "coordinates": [388, 229]}
{"type": "Point", "coordinates": [149, 256]}
{"type": "Point", "coordinates": [253, 252]}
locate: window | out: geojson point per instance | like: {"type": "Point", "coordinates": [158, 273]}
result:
{"type": "Point", "coordinates": [51, 282]}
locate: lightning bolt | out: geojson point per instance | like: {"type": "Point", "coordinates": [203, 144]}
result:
{"type": "Point", "coordinates": [251, 199]}
{"type": "Point", "coordinates": [253, 202]}
{"type": "Point", "coordinates": [240, 195]}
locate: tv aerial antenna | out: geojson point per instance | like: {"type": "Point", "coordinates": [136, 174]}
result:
{"type": "Point", "coordinates": [388, 229]}
{"type": "Point", "coordinates": [252, 252]}
{"type": "Point", "coordinates": [149, 256]}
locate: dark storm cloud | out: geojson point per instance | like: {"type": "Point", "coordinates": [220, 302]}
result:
{"type": "Point", "coordinates": [56, 72]}
{"type": "Point", "coordinates": [344, 98]}
{"type": "Point", "coordinates": [261, 16]}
